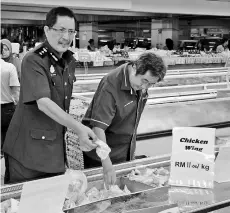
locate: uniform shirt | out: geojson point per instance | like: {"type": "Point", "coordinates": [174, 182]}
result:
{"type": "Point", "coordinates": [33, 138]}
{"type": "Point", "coordinates": [116, 108]}
{"type": "Point", "coordinates": [9, 78]}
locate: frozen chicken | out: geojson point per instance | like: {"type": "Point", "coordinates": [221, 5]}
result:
{"type": "Point", "coordinates": [102, 150]}
{"type": "Point", "coordinates": [77, 187]}
{"type": "Point", "coordinates": [10, 206]}
{"type": "Point", "coordinates": [154, 177]}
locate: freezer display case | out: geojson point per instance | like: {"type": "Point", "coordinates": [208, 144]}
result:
{"type": "Point", "coordinates": [144, 196]}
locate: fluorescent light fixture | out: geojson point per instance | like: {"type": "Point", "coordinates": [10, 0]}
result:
{"type": "Point", "coordinates": [103, 36]}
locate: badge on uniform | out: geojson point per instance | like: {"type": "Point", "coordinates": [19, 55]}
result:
{"type": "Point", "coordinates": [52, 71]}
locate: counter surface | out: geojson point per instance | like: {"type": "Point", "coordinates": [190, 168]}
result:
{"type": "Point", "coordinates": [106, 69]}
{"type": "Point", "coordinates": [188, 200]}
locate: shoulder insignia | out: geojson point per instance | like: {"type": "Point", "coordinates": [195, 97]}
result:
{"type": "Point", "coordinates": [42, 51]}
{"type": "Point", "coordinates": [53, 56]}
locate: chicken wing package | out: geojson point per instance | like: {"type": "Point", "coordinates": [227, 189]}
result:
{"type": "Point", "coordinates": [102, 149]}
{"type": "Point", "coordinates": [77, 187]}
{"type": "Point", "coordinates": [10, 206]}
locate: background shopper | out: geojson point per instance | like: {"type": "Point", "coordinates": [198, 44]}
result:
{"type": "Point", "coordinates": [7, 56]}
{"type": "Point", "coordinates": [9, 94]}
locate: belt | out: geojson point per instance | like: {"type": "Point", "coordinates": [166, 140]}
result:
{"type": "Point", "coordinates": [7, 105]}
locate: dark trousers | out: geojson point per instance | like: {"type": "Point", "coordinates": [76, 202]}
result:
{"type": "Point", "coordinates": [17, 173]}
{"type": "Point", "coordinates": [7, 111]}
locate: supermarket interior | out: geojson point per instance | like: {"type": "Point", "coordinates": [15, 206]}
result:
{"type": "Point", "coordinates": [147, 81]}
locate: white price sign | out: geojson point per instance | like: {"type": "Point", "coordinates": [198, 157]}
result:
{"type": "Point", "coordinates": [192, 160]}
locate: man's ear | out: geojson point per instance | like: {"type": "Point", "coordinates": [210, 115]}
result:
{"type": "Point", "coordinates": [134, 68]}
{"type": "Point", "coordinates": [46, 29]}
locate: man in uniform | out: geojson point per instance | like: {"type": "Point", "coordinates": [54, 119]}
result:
{"type": "Point", "coordinates": [34, 144]}
{"type": "Point", "coordinates": [115, 110]}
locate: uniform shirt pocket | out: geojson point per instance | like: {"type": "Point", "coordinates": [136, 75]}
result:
{"type": "Point", "coordinates": [56, 81]}
{"type": "Point", "coordinates": [128, 108]}
{"type": "Point", "coordinates": [46, 135]}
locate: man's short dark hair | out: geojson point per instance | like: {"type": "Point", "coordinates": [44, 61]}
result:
{"type": "Point", "coordinates": [51, 17]}
{"type": "Point", "coordinates": [91, 41]}
{"type": "Point", "coordinates": [151, 62]}
{"type": "Point", "coordinates": [224, 40]}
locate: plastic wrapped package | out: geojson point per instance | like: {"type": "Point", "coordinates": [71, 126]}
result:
{"type": "Point", "coordinates": [116, 191]}
{"type": "Point", "coordinates": [154, 177]}
{"type": "Point", "coordinates": [93, 194]}
{"type": "Point", "coordinates": [102, 150]}
{"type": "Point", "coordinates": [77, 188]}
{"type": "Point", "coordinates": [10, 206]}
{"type": "Point", "coordinates": [79, 195]}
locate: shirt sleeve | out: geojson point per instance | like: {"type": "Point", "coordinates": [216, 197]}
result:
{"type": "Point", "coordinates": [103, 109]}
{"type": "Point", "coordinates": [13, 81]}
{"type": "Point", "coordinates": [18, 67]}
{"type": "Point", "coordinates": [35, 84]}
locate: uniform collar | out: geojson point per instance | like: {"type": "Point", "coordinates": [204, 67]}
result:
{"type": "Point", "coordinates": [67, 56]}
{"type": "Point", "coordinates": [125, 84]}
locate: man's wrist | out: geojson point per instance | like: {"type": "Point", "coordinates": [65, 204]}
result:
{"type": "Point", "coordinates": [106, 162]}
{"type": "Point", "coordinates": [78, 127]}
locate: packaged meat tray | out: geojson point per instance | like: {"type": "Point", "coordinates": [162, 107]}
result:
{"type": "Point", "coordinates": [96, 192]}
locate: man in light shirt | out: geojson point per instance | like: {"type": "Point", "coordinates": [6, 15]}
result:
{"type": "Point", "coordinates": [9, 94]}
{"type": "Point", "coordinates": [224, 44]}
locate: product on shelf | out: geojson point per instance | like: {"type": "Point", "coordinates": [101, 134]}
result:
{"type": "Point", "coordinates": [154, 177]}
{"type": "Point", "coordinates": [9, 206]}
{"type": "Point", "coordinates": [95, 194]}
{"type": "Point", "coordinates": [102, 149]}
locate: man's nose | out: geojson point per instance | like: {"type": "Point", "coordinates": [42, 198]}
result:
{"type": "Point", "coordinates": [66, 35]}
{"type": "Point", "coordinates": [145, 86]}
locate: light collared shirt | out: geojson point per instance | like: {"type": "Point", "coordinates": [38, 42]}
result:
{"type": "Point", "coordinates": [220, 49]}
{"type": "Point", "coordinates": [116, 108]}
{"type": "Point", "coordinates": [9, 78]}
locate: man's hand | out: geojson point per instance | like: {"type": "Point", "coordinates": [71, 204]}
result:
{"type": "Point", "coordinates": [85, 134]}
{"type": "Point", "coordinates": [87, 139]}
{"type": "Point", "coordinates": [108, 172]}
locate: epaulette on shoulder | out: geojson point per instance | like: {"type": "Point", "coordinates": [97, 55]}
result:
{"type": "Point", "coordinates": [41, 51]}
